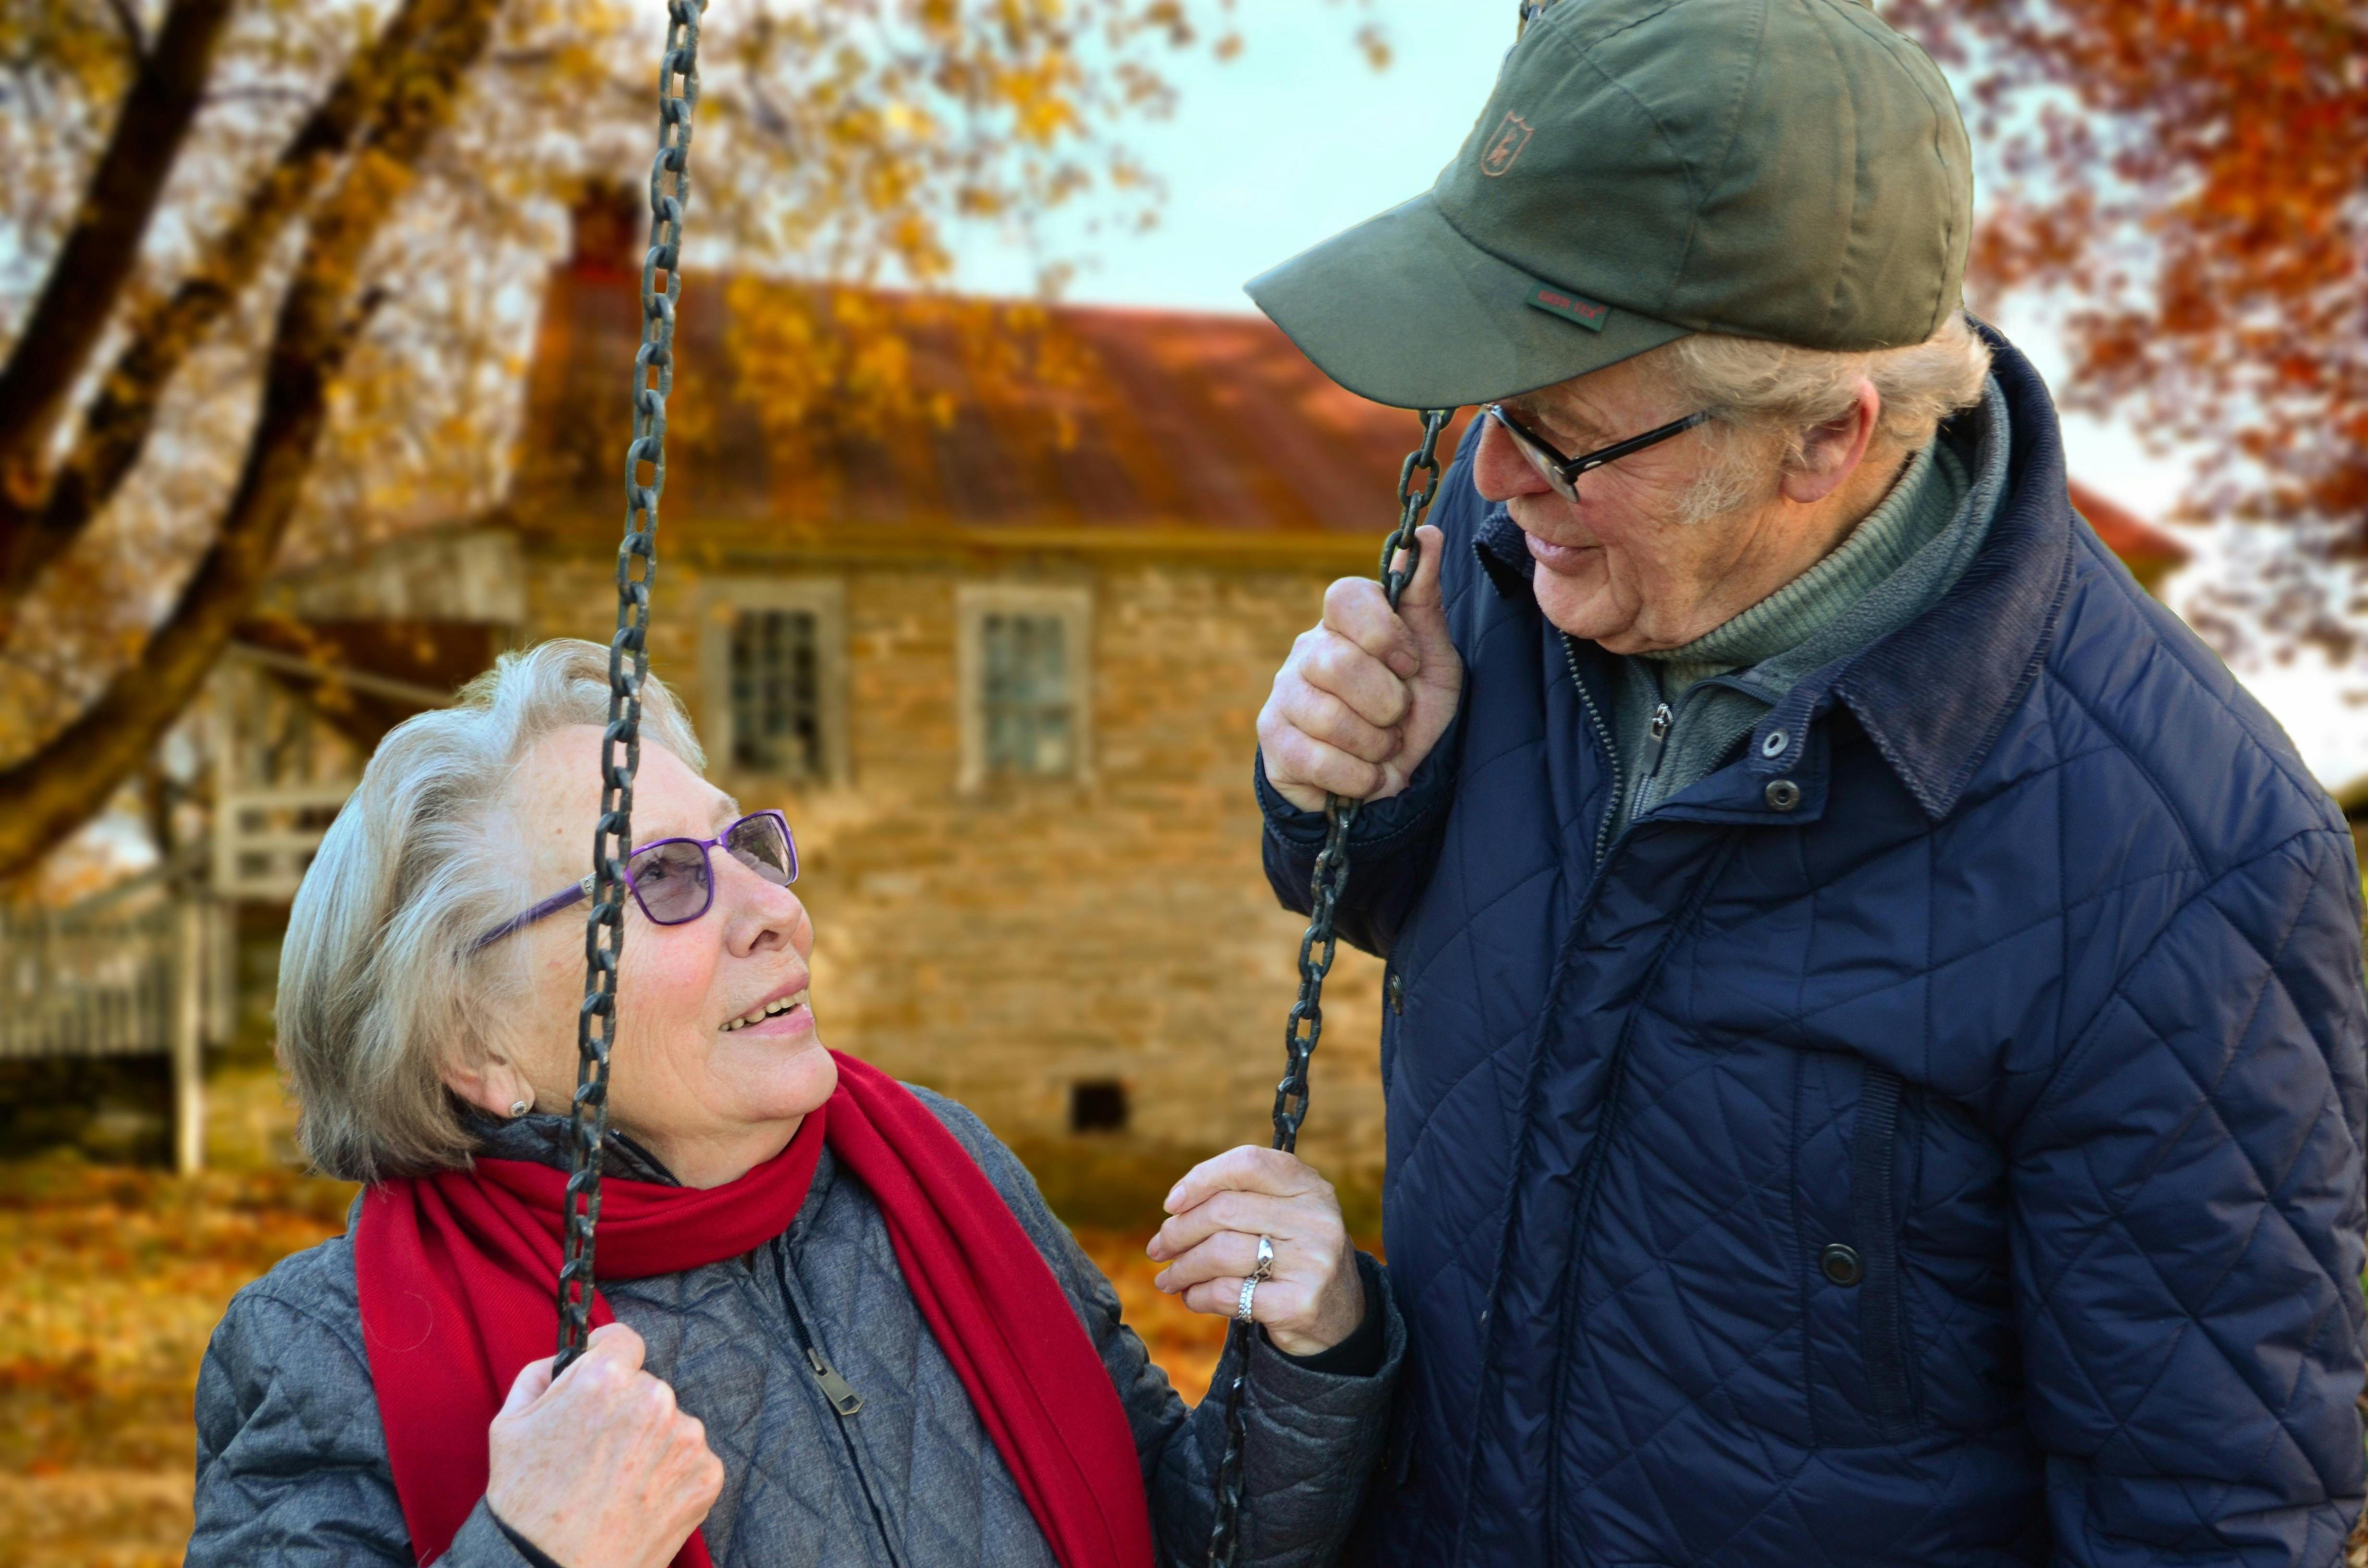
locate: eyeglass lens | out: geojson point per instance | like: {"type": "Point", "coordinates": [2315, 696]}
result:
{"type": "Point", "coordinates": [1548, 464]}
{"type": "Point", "coordinates": [762, 845]}
{"type": "Point", "coordinates": [671, 879]}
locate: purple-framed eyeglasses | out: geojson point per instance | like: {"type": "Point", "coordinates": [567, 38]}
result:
{"type": "Point", "coordinates": [673, 880]}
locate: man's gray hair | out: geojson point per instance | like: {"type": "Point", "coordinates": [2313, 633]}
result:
{"type": "Point", "coordinates": [1769, 395]}
{"type": "Point", "coordinates": [380, 982]}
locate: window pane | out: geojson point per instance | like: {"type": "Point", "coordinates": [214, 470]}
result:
{"type": "Point", "coordinates": [776, 692]}
{"type": "Point", "coordinates": [1027, 706]}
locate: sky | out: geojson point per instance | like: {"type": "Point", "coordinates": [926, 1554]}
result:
{"type": "Point", "coordinates": [1298, 138]}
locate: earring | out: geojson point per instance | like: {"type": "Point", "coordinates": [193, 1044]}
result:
{"type": "Point", "coordinates": [518, 1107]}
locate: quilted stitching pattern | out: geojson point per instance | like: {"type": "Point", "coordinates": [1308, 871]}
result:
{"type": "Point", "coordinates": [292, 1468]}
{"type": "Point", "coordinates": [2117, 969]}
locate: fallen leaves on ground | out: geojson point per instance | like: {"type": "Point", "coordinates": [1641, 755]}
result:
{"type": "Point", "coordinates": [119, 1278]}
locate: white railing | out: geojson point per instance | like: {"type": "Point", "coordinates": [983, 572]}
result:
{"type": "Point", "coordinates": [77, 984]}
{"type": "Point", "coordinates": [117, 977]}
{"type": "Point", "coordinates": [264, 839]}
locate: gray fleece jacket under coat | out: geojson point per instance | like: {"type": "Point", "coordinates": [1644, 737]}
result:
{"type": "Point", "coordinates": [292, 1460]}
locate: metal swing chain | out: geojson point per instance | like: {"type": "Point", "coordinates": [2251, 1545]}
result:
{"type": "Point", "coordinates": [628, 667]}
{"type": "Point", "coordinates": [1305, 1026]}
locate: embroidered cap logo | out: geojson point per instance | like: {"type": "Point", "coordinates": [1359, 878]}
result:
{"type": "Point", "coordinates": [1512, 135]}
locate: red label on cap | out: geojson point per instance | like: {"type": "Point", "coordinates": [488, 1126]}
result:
{"type": "Point", "coordinates": [1570, 307]}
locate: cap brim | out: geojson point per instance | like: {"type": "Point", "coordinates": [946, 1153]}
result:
{"type": "Point", "coordinates": [1404, 310]}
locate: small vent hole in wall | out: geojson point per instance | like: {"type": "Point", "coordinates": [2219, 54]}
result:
{"type": "Point", "coordinates": [1098, 1106]}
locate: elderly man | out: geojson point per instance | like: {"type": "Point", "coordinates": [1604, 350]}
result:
{"type": "Point", "coordinates": [1873, 1028]}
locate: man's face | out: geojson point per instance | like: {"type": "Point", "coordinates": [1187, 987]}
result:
{"type": "Point", "coordinates": [1621, 566]}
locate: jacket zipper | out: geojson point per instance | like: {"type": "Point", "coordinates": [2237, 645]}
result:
{"type": "Point", "coordinates": [836, 1389]}
{"type": "Point", "coordinates": [1603, 735]}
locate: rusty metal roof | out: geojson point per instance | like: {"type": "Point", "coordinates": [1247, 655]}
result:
{"type": "Point", "coordinates": [1164, 423]}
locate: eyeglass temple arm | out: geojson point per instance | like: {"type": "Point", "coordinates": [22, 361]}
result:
{"type": "Point", "coordinates": [1577, 466]}
{"type": "Point", "coordinates": [570, 895]}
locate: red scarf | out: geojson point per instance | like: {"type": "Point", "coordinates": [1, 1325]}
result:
{"type": "Point", "coordinates": [456, 1274]}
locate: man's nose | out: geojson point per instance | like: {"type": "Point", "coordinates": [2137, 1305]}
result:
{"type": "Point", "coordinates": [1499, 471]}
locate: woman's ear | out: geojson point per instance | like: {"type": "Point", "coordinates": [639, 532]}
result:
{"type": "Point", "coordinates": [490, 1084]}
{"type": "Point", "coordinates": [1831, 452]}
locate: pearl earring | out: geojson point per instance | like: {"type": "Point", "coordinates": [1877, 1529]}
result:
{"type": "Point", "coordinates": [518, 1107]}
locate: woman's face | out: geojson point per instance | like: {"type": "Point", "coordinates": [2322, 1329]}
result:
{"type": "Point", "coordinates": [708, 1094]}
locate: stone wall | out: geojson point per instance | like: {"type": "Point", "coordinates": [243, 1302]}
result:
{"type": "Point", "coordinates": [1008, 943]}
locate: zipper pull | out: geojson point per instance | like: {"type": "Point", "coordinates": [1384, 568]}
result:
{"type": "Point", "coordinates": [843, 1398]}
{"type": "Point", "coordinates": [1656, 734]}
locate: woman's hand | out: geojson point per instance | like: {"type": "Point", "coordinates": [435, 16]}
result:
{"type": "Point", "coordinates": [600, 1468]}
{"type": "Point", "coordinates": [1313, 1300]}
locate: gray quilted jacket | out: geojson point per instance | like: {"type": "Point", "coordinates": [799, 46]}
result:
{"type": "Point", "coordinates": [293, 1462]}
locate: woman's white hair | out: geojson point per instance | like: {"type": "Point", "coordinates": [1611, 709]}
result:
{"type": "Point", "coordinates": [380, 982]}
{"type": "Point", "coordinates": [1768, 397]}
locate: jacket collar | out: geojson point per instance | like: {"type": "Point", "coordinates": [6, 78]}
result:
{"type": "Point", "coordinates": [1934, 694]}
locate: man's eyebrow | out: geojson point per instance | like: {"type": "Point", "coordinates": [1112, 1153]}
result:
{"type": "Point", "coordinates": [1562, 419]}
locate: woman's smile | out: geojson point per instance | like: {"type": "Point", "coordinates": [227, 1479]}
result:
{"type": "Point", "coordinates": [791, 1013]}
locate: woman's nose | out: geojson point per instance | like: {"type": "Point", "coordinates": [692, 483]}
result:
{"type": "Point", "coordinates": [1499, 471]}
{"type": "Point", "coordinates": [759, 914]}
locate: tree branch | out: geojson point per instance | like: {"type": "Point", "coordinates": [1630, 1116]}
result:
{"type": "Point", "coordinates": [135, 38]}
{"type": "Point", "coordinates": [103, 243]}
{"type": "Point", "coordinates": [63, 785]}
{"type": "Point", "coordinates": [122, 414]}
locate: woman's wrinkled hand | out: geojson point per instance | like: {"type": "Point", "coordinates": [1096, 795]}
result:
{"type": "Point", "coordinates": [600, 1468]}
{"type": "Point", "coordinates": [1312, 1299]}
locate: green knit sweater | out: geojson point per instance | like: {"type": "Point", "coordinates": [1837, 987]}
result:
{"type": "Point", "coordinates": [1896, 564]}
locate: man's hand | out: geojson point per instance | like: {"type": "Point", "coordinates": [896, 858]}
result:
{"type": "Point", "coordinates": [1364, 696]}
{"type": "Point", "coordinates": [600, 1468]}
{"type": "Point", "coordinates": [1313, 1300]}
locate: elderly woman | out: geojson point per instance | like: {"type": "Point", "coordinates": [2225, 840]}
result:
{"type": "Point", "coordinates": [839, 1324]}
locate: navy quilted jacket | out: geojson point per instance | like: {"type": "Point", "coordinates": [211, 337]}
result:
{"type": "Point", "coordinates": [2044, 1003]}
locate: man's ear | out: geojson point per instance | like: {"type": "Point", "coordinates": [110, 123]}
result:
{"type": "Point", "coordinates": [1831, 452]}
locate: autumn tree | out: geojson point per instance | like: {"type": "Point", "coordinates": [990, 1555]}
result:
{"type": "Point", "coordinates": [263, 270]}
{"type": "Point", "coordinates": [2191, 181]}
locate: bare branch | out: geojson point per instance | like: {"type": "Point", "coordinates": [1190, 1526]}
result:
{"type": "Point", "coordinates": [116, 424]}
{"type": "Point", "coordinates": [63, 783]}
{"type": "Point", "coordinates": [101, 246]}
{"type": "Point", "coordinates": [135, 38]}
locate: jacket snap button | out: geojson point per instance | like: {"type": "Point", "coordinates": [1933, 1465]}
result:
{"type": "Point", "coordinates": [1784, 794]}
{"type": "Point", "coordinates": [1840, 1265]}
{"type": "Point", "coordinates": [1775, 743]}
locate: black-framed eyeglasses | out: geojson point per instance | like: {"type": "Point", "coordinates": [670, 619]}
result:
{"type": "Point", "coordinates": [1562, 472]}
{"type": "Point", "coordinates": [674, 881]}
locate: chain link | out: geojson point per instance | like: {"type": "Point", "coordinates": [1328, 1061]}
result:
{"type": "Point", "coordinates": [628, 667]}
{"type": "Point", "coordinates": [1306, 1026]}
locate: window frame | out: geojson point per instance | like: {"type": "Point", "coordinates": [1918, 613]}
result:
{"type": "Point", "coordinates": [1072, 607]}
{"type": "Point", "coordinates": [721, 602]}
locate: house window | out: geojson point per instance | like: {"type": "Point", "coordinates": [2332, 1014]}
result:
{"type": "Point", "coordinates": [1025, 704]}
{"type": "Point", "coordinates": [1097, 1107]}
{"type": "Point", "coordinates": [776, 692]}
{"type": "Point", "coordinates": [772, 672]}
{"type": "Point", "coordinates": [1026, 686]}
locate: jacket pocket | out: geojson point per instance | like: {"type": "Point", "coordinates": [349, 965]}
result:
{"type": "Point", "coordinates": [1876, 1220]}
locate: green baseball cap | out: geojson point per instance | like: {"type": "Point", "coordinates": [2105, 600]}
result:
{"type": "Point", "coordinates": [1784, 169]}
